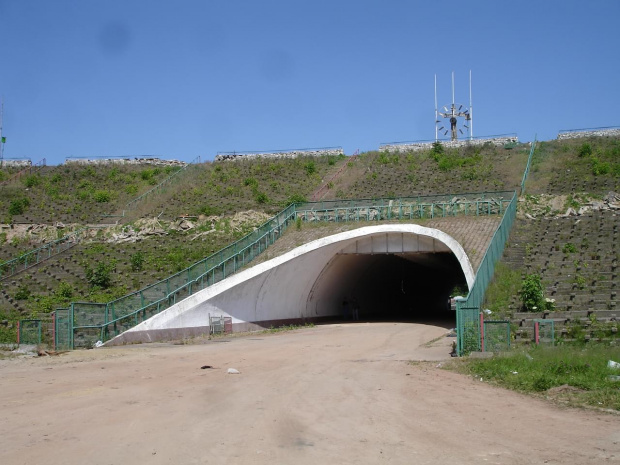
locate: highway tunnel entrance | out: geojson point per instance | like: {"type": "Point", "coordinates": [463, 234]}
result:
{"type": "Point", "coordinates": [392, 286]}
{"type": "Point", "coordinates": [398, 272]}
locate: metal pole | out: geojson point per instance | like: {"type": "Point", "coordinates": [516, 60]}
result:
{"type": "Point", "coordinates": [452, 89]}
{"type": "Point", "coordinates": [471, 111]}
{"type": "Point", "coordinates": [436, 114]}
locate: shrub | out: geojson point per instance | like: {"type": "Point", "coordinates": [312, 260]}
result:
{"type": "Point", "coordinates": [437, 149]}
{"type": "Point", "coordinates": [569, 247]}
{"type": "Point", "coordinates": [18, 206]}
{"type": "Point", "coordinates": [64, 290]}
{"type": "Point", "coordinates": [250, 182]}
{"type": "Point", "coordinates": [102, 196]}
{"type": "Point", "coordinates": [296, 198]}
{"type": "Point", "coordinates": [101, 275]}
{"type": "Point", "coordinates": [599, 168]}
{"type": "Point", "coordinates": [32, 180]}
{"type": "Point", "coordinates": [532, 293]}
{"type": "Point", "coordinates": [131, 189]}
{"type": "Point", "coordinates": [261, 198]}
{"type": "Point", "coordinates": [298, 223]}
{"type": "Point", "coordinates": [147, 175]}
{"type": "Point", "coordinates": [137, 261]}
{"type": "Point", "coordinates": [310, 168]}
{"type": "Point", "coordinates": [22, 293]}
{"type": "Point", "coordinates": [210, 210]}
{"type": "Point", "coordinates": [585, 150]}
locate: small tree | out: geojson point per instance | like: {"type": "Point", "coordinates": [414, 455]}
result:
{"type": "Point", "coordinates": [101, 275]}
{"type": "Point", "coordinates": [532, 293]}
{"type": "Point", "coordinates": [437, 148]}
{"type": "Point", "coordinates": [137, 261]}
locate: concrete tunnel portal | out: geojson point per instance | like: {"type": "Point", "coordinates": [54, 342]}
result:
{"type": "Point", "coordinates": [394, 272]}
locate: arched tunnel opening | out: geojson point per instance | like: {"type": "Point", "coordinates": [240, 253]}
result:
{"type": "Point", "coordinates": [408, 286]}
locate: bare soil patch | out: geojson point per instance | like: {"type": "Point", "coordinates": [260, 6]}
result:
{"type": "Point", "coordinates": [342, 393]}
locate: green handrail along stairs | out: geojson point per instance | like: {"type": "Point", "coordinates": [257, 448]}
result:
{"type": "Point", "coordinates": [468, 309]}
{"type": "Point", "coordinates": [91, 322]}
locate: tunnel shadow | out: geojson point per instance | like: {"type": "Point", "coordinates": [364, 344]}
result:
{"type": "Point", "coordinates": [407, 287]}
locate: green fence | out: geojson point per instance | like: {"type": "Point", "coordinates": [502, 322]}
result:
{"type": "Point", "coordinates": [496, 336]}
{"type": "Point", "coordinates": [406, 208]}
{"type": "Point", "coordinates": [91, 322]}
{"type": "Point", "coordinates": [62, 329]}
{"type": "Point", "coordinates": [484, 274]}
{"type": "Point", "coordinates": [467, 330]}
{"type": "Point", "coordinates": [29, 332]}
{"type": "Point", "coordinates": [544, 332]}
{"type": "Point", "coordinates": [16, 265]}
{"type": "Point", "coordinates": [527, 166]}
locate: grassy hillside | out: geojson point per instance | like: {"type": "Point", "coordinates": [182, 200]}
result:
{"type": "Point", "coordinates": [74, 193]}
{"type": "Point", "coordinates": [468, 169]}
{"type": "Point", "coordinates": [589, 165]}
{"type": "Point", "coordinates": [113, 262]}
{"type": "Point", "coordinates": [223, 188]}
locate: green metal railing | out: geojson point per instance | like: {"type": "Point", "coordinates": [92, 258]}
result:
{"type": "Point", "coordinates": [36, 256]}
{"type": "Point", "coordinates": [496, 335]}
{"type": "Point", "coordinates": [526, 172]}
{"type": "Point", "coordinates": [29, 332]}
{"type": "Point", "coordinates": [406, 208]}
{"type": "Point", "coordinates": [544, 331]}
{"type": "Point", "coordinates": [483, 276]}
{"type": "Point", "coordinates": [91, 322]}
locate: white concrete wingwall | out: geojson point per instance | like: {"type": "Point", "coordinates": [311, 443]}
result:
{"type": "Point", "coordinates": [300, 284]}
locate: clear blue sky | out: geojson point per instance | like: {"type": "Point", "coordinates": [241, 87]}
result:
{"type": "Point", "coordinates": [184, 78]}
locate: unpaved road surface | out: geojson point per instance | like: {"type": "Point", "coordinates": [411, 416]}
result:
{"type": "Point", "coordinates": [336, 394]}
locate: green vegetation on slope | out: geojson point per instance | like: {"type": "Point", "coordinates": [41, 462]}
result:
{"type": "Point", "coordinates": [75, 193]}
{"type": "Point", "coordinates": [576, 374]}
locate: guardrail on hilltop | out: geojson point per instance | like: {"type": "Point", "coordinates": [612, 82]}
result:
{"type": "Point", "coordinates": [90, 322]}
{"type": "Point", "coordinates": [497, 140]}
{"type": "Point", "coordinates": [589, 132]}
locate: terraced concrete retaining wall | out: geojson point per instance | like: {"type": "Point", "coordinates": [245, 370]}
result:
{"type": "Point", "coordinates": [613, 132]}
{"type": "Point", "coordinates": [124, 161]}
{"type": "Point", "coordinates": [289, 154]}
{"type": "Point", "coordinates": [416, 146]}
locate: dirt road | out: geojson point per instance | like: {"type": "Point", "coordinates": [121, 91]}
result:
{"type": "Point", "coordinates": [336, 394]}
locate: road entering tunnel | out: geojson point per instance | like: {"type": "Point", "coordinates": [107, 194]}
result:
{"type": "Point", "coordinates": [391, 286]}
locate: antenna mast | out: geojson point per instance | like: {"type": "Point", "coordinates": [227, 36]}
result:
{"type": "Point", "coordinates": [436, 120]}
{"type": "Point", "coordinates": [452, 114]}
{"type": "Point", "coordinates": [471, 112]}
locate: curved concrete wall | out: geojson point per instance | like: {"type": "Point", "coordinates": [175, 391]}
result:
{"type": "Point", "coordinates": [299, 284]}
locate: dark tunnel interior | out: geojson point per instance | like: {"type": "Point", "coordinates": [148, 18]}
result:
{"type": "Point", "coordinates": [404, 287]}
